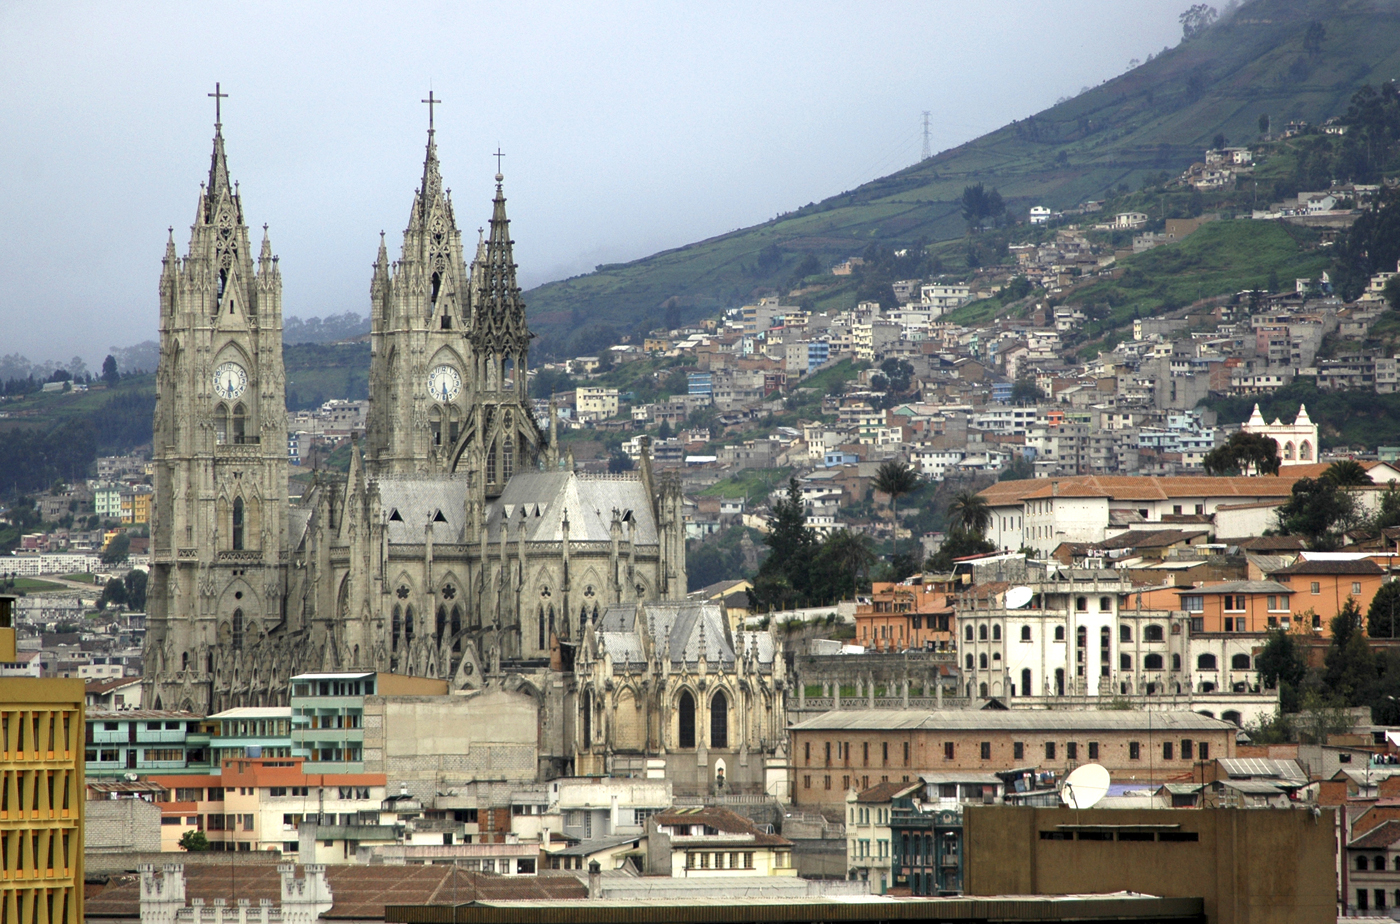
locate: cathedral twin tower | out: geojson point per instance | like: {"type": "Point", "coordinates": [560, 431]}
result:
{"type": "Point", "coordinates": [458, 545]}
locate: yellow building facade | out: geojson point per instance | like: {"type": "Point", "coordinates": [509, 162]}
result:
{"type": "Point", "coordinates": [41, 793]}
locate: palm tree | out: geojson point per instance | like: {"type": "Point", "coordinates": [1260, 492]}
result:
{"type": "Point", "coordinates": [849, 553]}
{"type": "Point", "coordinates": [895, 478]}
{"type": "Point", "coordinates": [969, 513]}
{"type": "Point", "coordinates": [1346, 473]}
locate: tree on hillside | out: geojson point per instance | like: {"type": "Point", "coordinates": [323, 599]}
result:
{"type": "Point", "coordinates": [135, 584]}
{"type": "Point", "coordinates": [1197, 19]}
{"type": "Point", "coordinates": [1263, 123]}
{"type": "Point", "coordinates": [896, 479]}
{"type": "Point", "coordinates": [116, 550]}
{"type": "Point", "coordinates": [840, 562]}
{"type": "Point", "coordinates": [1349, 667]}
{"type": "Point", "coordinates": [1383, 618]}
{"type": "Point", "coordinates": [968, 512]}
{"type": "Point", "coordinates": [1312, 39]}
{"type": "Point", "coordinates": [1346, 473]}
{"type": "Point", "coordinates": [110, 375]}
{"type": "Point", "coordinates": [1281, 665]}
{"type": "Point", "coordinates": [1018, 469]}
{"type": "Point", "coordinates": [1319, 511]}
{"type": "Point", "coordinates": [1388, 514]}
{"type": "Point", "coordinates": [1243, 452]}
{"type": "Point", "coordinates": [784, 576]}
{"type": "Point", "coordinates": [979, 206]}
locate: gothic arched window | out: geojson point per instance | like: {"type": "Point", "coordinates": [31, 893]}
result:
{"type": "Point", "coordinates": [237, 629]}
{"type": "Point", "coordinates": [456, 628]}
{"type": "Point", "coordinates": [508, 455]}
{"type": "Point", "coordinates": [396, 626]}
{"type": "Point", "coordinates": [240, 415]}
{"type": "Point", "coordinates": [237, 531]}
{"type": "Point", "coordinates": [539, 622]}
{"type": "Point", "coordinates": [435, 425]}
{"type": "Point", "coordinates": [408, 626]}
{"type": "Point", "coordinates": [491, 463]}
{"type": "Point", "coordinates": [220, 424]}
{"type": "Point", "coordinates": [1026, 682]}
{"type": "Point", "coordinates": [685, 716]}
{"type": "Point", "coordinates": [441, 621]}
{"type": "Point", "coordinates": [719, 721]}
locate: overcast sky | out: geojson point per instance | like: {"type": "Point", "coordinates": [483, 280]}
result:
{"type": "Point", "coordinates": [627, 129]}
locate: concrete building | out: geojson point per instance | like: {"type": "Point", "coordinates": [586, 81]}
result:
{"type": "Point", "coordinates": [714, 842]}
{"type": "Point", "coordinates": [250, 731]}
{"type": "Point", "coordinates": [868, 851]}
{"type": "Point", "coordinates": [1250, 867]}
{"type": "Point", "coordinates": [145, 741]}
{"type": "Point", "coordinates": [257, 804]}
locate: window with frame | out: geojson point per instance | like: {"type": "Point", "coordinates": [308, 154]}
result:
{"type": "Point", "coordinates": [1316, 588]}
{"type": "Point", "coordinates": [947, 750]}
{"type": "Point", "coordinates": [1049, 750]}
{"type": "Point", "coordinates": [1018, 750]}
{"type": "Point", "coordinates": [1072, 750]}
{"type": "Point", "coordinates": [1093, 750]}
{"type": "Point", "coordinates": [1193, 603]}
{"type": "Point", "coordinates": [986, 750]}
{"type": "Point", "coordinates": [1167, 750]}
{"type": "Point", "coordinates": [1134, 750]}
{"type": "Point", "coordinates": [1356, 587]}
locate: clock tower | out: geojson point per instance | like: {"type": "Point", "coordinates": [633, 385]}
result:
{"type": "Point", "coordinates": [420, 388]}
{"type": "Point", "coordinates": [219, 524]}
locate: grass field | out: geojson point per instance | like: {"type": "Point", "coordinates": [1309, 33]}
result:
{"type": "Point", "coordinates": [753, 484]}
{"type": "Point", "coordinates": [32, 586]}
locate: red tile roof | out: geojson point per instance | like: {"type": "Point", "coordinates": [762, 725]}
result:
{"type": "Point", "coordinates": [359, 892]}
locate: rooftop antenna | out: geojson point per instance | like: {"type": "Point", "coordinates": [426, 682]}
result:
{"type": "Point", "coordinates": [928, 151]}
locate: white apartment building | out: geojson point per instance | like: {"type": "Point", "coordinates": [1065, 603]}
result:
{"type": "Point", "coordinates": [596, 402]}
{"type": "Point", "coordinates": [1042, 513]}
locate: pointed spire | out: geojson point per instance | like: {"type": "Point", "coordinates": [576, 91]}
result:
{"type": "Point", "coordinates": [172, 257]}
{"type": "Point", "coordinates": [266, 254]}
{"type": "Point", "coordinates": [499, 323]}
{"type": "Point", "coordinates": [1256, 419]}
{"type": "Point", "coordinates": [1302, 420]}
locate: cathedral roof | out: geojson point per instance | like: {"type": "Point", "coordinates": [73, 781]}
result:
{"type": "Point", "coordinates": [680, 631]}
{"type": "Point", "coordinates": [411, 502]}
{"type": "Point", "coordinates": [543, 500]}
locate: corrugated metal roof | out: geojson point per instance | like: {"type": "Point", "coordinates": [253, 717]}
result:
{"type": "Point", "coordinates": [1010, 720]}
{"type": "Point", "coordinates": [1262, 767]}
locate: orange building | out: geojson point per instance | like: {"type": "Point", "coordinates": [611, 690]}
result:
{"type": "Point", "coordinates": [1323, 586]}
{"type": "Point", "coordinates": [902, 616]}
{"type": "Point", "coordinates": [258, 803]}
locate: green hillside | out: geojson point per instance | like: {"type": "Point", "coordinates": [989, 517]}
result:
{"type": "Point", "coordinates": [1157, 117]}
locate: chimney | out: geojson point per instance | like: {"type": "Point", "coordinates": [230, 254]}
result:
{"type": "Point", "coordinates": [595, 880]}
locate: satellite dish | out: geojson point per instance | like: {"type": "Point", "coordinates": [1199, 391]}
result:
{"type": "Point", "coordinates": [1085, 786]}
{"type": "Point", "coordinates": [1018, 597]}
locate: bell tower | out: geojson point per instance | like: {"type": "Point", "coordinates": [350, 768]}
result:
{"type": "Point", "coordinates": [420, 386]}
{"type": "Point", "coordinates": [218, 527]}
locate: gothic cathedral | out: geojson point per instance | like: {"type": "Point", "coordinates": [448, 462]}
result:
{"type": "Point", "coordinates": [459, 545]}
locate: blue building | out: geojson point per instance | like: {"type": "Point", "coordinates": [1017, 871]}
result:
{"type": "Point", "coordinates": [818, 352]}
{"type": "Point", "coordinates": [145, 741]}
{"type": "Point", "coordinates": [701, 384]}
{"type": "Point", "coordinates": [1001, 392]}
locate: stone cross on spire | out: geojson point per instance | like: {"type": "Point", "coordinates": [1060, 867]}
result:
{"type": "Point", "coordinates": [218, 98]}
{"type": "Point", "coordinates": [431, 103]}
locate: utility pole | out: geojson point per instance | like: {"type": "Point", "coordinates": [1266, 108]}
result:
{"type": "Point", "coordinates": [928, 151]}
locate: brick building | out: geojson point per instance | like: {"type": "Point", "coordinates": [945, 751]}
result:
{"type": "Point", "coordinates": [841, 750]}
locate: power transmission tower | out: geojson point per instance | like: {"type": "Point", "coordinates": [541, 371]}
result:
{"type": "Point", "coordinates": [928, 151]}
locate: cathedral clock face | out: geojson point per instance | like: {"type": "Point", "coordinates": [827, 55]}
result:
{"type": "Point", "coordinates": [230, 381]}
{"type": "Point", "coordinates": [444, 383]}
